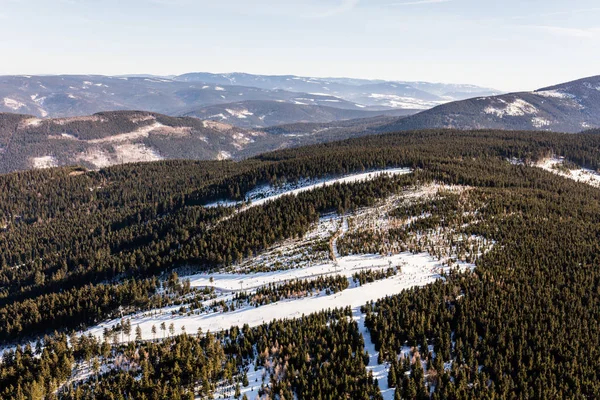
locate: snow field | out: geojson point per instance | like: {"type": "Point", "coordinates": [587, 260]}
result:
{"type": "Point", "coordinates": [517, 107]}
{"type": "Point", "coordinates": [580, 174]}
{"type": "Point", "coordinates": [417, 270]}
{"type": "Point", "coordinates": [43, 162]}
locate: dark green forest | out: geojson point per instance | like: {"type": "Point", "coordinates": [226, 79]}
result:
{"type": "Point", "coordinates": [524, 324]}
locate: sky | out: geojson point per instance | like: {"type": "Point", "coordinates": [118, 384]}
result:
{"type": "Point", "coordinates": [508, 45]}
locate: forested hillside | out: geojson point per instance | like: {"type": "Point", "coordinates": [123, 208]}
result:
{"type": "Point", "coordinates": [91, 258]}
{"type": "Point", "coordinates": [119, 137]}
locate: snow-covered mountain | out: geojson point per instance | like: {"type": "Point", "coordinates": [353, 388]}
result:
{"type": "Point", "coordinates": [567, 107]}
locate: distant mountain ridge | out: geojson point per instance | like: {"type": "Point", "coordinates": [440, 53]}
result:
{"type": "Point", "coordinates": [394, 94]}
{"type": "Point", "coordinates": [109, 138]}
{"type": "Point", "coordinates": [79, 95]}
{"type": "Point", "coordinates": [73, 95]}
{"type": "Point", "coordinates": [104, 139]}
{"type": "Point", "coordinates": [567, 107]}
{"type": "Point", "coordinates": [262, 113]}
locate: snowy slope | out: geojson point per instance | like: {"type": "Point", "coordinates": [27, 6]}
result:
{"type": "Point", "coordinates": [555, 165]}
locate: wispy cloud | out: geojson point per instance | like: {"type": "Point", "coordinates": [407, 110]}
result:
{"type": "Point", "coordinates": [170, 2]}
{"type": "Point", "coordinates": [571, 12]}
{"type": "Point", "coordinates": [418, 2]}
{"type": "Point", "coordinates": [344, 6]}
{"type": "Point", "coordinates": [564, 31]}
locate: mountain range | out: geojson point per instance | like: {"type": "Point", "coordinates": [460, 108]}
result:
{"type": "Point", "coordinates": [261, 113]}
{"type": "Point", "coordinates": [246, 128]}
{"type": "Point", "coordinates": [394, 94]}
{"type": "Point", "coordinates": [78, 95]}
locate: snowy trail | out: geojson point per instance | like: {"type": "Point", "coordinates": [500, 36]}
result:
{"type": "Point", "coordinates": [343, 229]}
{"type": "Point", "coordinates": [262, 195]}
{"type": "Point", "coordinates": [380, 371]}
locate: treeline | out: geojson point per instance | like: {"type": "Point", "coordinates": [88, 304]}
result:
{"type": "Point", "coordinates": [294, 289]}
{"type": "Point", "coordinates": [370, 275]}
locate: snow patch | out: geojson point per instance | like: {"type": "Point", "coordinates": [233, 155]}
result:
{"type": "Point", "coordinates": [395, 101]}
{"type": "Point", "coordinates": [518, 107]}
{"type": "Point", "coordinates": [263, 194]}
{"type": "Point", "coordinates": [380, 371]}
{"type": "Point", "coordinates": [219, 116]}
{"type": "Point", "coordinates": [122, 153]}
{"type": "Point", "coordinates": [540, 122]}
{"type": "Point", "coordinates": [97, 157]}
{"type": "Point", "coordinates": [32, 122]}
{"type": "Point", "coordinates": [13, 104]}
{"type": "Point", "coordinates": [239, 113]}
{"type": "Point", "coordinates": [554, 93]}
{"type": "Point", "coordinates": [142, 132]}
{"type": "Point", "coordinates": [591, 86]}
{"type": "Point", "coordinates": [223, 155]}
{"type": "Point", "coordinates": [135, 152]}
{"type": "Point", "coordinates": [218, 126]}
{"type": "Point", "coordinates": [143, 118]}
{"type": "Point", "coordinates": [43, 162]}
{"type": "Point", "coordinates": [89, 118]}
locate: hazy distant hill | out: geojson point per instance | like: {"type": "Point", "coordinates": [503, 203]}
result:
{"type": "Point", "coordinates": [259, 113]}
{"type": "Point", "coordinates": [81, 95]}
{"type": "Point", "coordinates": [70, 95]}
{"type": "Point", "coordinates": [411, 95]}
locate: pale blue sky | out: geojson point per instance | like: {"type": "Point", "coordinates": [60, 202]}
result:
{"type": "Point", "coordinates": [509, 45]}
